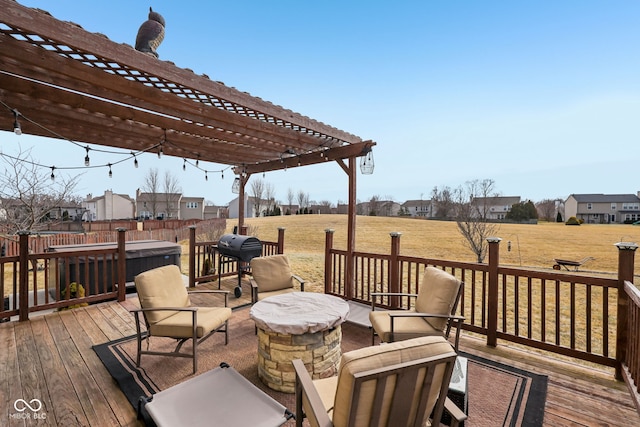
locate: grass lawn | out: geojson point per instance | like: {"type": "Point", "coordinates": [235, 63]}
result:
{"type": "Point", "coordinates": [532, 245]}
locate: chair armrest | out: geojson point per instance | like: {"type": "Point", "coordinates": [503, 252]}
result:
{"type": "Point", "coordinates": [209, 291]}
{"type": "Point", "coordinates": [399, 313]}
{"type": "Point", "coordinates": [300, 280]}
{"type": "Point", "coordinates": [304, 385]}
{"type": "Point", "coordinates": [457, 416]}
{"type": "Point", "coordinates": [142, 310]}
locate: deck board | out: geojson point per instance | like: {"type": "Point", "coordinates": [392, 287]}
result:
{"type": "Point", "coordinates": [37, 356]}
{"type": "Point", "coordinates": [65, 372]}
{"type": "Point", "coordinates": [86, 333]}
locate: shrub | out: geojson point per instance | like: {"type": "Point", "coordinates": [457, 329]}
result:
{"type": "Point", "coordinates": [572, 221]}
{"type": "Point", "coordinates": [76, 290]}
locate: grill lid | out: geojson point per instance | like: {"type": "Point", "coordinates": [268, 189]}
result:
{"type": "Point", "coordinates": [238, 246]}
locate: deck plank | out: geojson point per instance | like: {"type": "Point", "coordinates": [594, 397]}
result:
{"type": "Point", "coordinates": [32, 379]}
{"type": "Point", "coordinates": [85, 387]}
{"type": "Point", "coordinates": [108, 402]}
{"type": "Point", "coordinates": [577, 394]}
{"type": "Point", "coordinates": [11, 387]}
{"type": "Point", "coordinates": [67, 403]}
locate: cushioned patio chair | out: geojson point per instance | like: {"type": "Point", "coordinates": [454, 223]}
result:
{"type": "Point", "coordinates": [399, 384]}
{"type": "Point", "coordinates": [432, 314]}
{"type": "Point", "coordinates": [271, 275]}
{"type": "Point", "coordinates": [167, 312]}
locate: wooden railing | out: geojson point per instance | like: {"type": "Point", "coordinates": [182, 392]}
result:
{"type": "Point", "coordinates": [39, 281]}
{"type": "Point", "coordinates": [569, 314]}
{"type": "Point", "coordinates": [43, 281]}
{"type": "Point", "coordinates": [205, 264]}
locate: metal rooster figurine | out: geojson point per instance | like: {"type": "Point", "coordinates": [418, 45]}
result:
{"type": "Point", "coordinates": [150, 34]}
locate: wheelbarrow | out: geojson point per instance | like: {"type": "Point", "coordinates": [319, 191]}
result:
{"type": "Point", "coordinates": [566, 263]}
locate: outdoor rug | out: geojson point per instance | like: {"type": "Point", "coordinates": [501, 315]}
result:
{"type": "Point", "coordinates": [498, 395]}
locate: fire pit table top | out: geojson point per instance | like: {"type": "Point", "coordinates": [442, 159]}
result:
{"type": "Point", "coordinates": [298, 313]}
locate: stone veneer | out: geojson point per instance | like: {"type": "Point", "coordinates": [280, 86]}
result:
{"type": "Point", "coordinates": [319, 351]}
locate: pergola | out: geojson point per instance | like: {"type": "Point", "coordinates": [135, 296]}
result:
{"type": "Point", "coordinates": [89, 89]}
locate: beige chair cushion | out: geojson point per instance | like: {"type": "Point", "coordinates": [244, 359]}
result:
{"type": "Point", "coordinates": [272, 273]}
{"type": "Point", "coordinates": [437, 295]}
{"type": "Point", "coordinates": [326, 388]}
{"type": "Point", "coordinates": [263, 295]}
{"type": "Point", "coordinates": [161, 287]}
{"type": "Point", "coordinates": [179, 325]}
{"type": "Point", "coordinates": [404, 327]}
{"type": "Point", "coordinates": [380, 356]}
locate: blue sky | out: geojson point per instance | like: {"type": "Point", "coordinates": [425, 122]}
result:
{"type": "Point", "coordinates": [543, 97]}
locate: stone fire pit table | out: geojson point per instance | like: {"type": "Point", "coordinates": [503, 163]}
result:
{"type": "Point", "coordinates": [298, 325]}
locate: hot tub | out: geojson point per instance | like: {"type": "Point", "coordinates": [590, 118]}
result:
{"type": "Point", "coordinates": [141, 256]}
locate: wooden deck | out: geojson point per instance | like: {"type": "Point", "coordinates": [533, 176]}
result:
{"type": "Point", "coordinates": [50, 358]}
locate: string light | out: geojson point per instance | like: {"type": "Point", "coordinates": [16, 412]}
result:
{"type": "Point", "coordinates": [53, 175]}
{"type": "Point", "coordinates": [184, 165]}
{"type": "Point", "coordinates": [87, 161]}
{"type": "Point", "coordinates": [110, 173]}
{"type": "Point", "coordinates": [16, 123]}
{"type": "Point", "coordinates": [135, 160]}
{"type": "Point", "coordinates": [222, 174]}
{"type": "Point", "coordinates": [206, 177]}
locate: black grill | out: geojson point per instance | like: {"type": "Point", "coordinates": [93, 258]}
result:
{"type": "Point", "coordinates": [243, 248]}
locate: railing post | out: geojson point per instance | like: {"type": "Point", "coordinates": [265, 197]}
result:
{"type": "Point", "coordinates": [192, 256]}
{"type": "Point", "coordinates": [281, 240]}
{"type": "Point", "coordinates": [626, 253]}
{"type": "Point", "coordinates": [122, 264]}
{"type": "Point", "coordinates": [394, 270]}
{"type": "Point", "coordinates": [328, 259]}
{"type": "Point", "coordinates": [23, 285]}
{"type": "Point", "coordinates": [492, 297]}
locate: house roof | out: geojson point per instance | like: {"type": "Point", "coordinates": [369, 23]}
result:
{"type": "Point", "coordinates": [605, 198]}
{"type": "Point", "coordinates": [72, 84]}
{"type": "Point", "coordinates": [499, 200]}
{"type": "Point", "coordinates": [417, 202]}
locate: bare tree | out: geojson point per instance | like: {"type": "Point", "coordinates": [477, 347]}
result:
{"type": "Point", "coordinates": [257, 191]}
{"type": "Point", "coordinates": [290, 198]}
{"type": "Point", "coordinates": [151, 186]}
{"type": "Point", "coordinates": [472, 206]}
{"type": "Point", "coordinates": [172, 194]}
{"type": "Point", "coordinates": [442, 204]}
{"type": "Point", "coordinates": [547, 209]}
{"type": "Point", "coordinates": [302, 198]}
{"type": "Point", "coordinates": [29, 194]}
{"type": "Point", "coordinates": [374, 205]}
{"type": "Point", "coordinates": [270, 196]}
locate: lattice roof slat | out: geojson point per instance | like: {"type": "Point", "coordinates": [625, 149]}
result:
{"type": "Point", "coordinates": [85, 75]}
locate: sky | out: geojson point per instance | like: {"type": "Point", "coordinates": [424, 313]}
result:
{"type": "Point", "coordinates": [542, 97]}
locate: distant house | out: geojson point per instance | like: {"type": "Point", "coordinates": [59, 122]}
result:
{"type": "Point", "coordinates": [418, 208]}
{"type": "Point", "coordinates": [108, 207]}
{"type": "Point", "coordinates": [191, 208]}
{"type": "Point", "coordinates": [496, 207]}
{"type": "Point", "coordinates": [603, 208]}
{"type": "Point", "coordinates": [213, 212]}
{"type": "Point", "coordinates": [378, 208]}
{"type": "Point", "coordinates": [158, 205]}
{"type": "Point", "coordinates": [249, 207]}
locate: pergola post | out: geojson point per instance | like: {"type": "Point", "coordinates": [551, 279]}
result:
{"type": "Point", "coordinates": [351, 229]}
